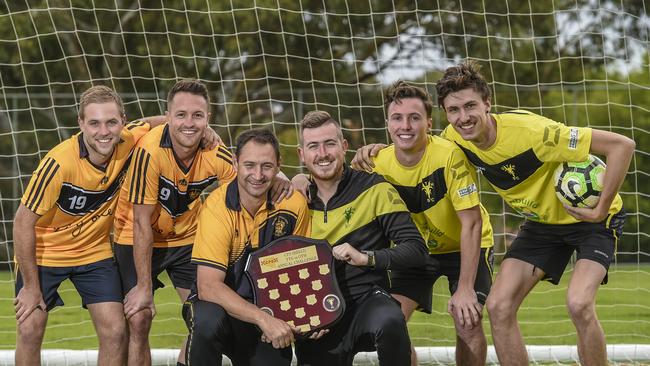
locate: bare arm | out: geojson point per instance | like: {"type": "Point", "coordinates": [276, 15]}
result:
{"type": "Point", "coordinates": [211, 287]}
{"type": "Point", "coordinates": [141, 296]}
{"type": "Point", "coordinates": [154, 121]}
{"type": "Point", "coordinates": [618, 151]}
{"type": "Point", "coordinates": [30, 297]}
{"type": "Point", "coordinates": [464, 304]}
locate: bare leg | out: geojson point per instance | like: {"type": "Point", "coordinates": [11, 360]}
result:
{"type": "Point", "coordinates": [29, 338]}
{"type": "Point", "coordinates": [581, 303]}
{"type": "Point", "coordinates": [471, 345]}
{"type": "Point", "coordinates": [183, 294]}
{"type": "Point", "coordinates": [139, 327]}
{"type": "Point", "coordinates": [513, 282]}
{"type": "Point", "coordinates": [408, 307]}
{"type": "Point", "coordinates": [110, 325]}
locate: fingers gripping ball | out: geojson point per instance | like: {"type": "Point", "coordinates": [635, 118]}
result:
{"type": "Point", "coordinates": [579, 184]}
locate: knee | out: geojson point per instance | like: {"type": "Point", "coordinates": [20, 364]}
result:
{"type": "Point", "coordinates": [389, 322]}
{"type": "Point", "coordinates": [206, 321]}
{"type": "Point", "coordinates": [470, 336]}
{"type": "Point", "coordinates": [499, 309]}
{"type": "Point", "coordinates": [114, 333]}
{"type": "Point", "coordinates": [31, 333]}
{"type": "Point", "coordinates": [580, 309]}
{"type": "Point", "coordinates": [140, 324]}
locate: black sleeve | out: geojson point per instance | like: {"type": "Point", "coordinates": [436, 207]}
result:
{"type": "Point", "coordinates": [409, 249]}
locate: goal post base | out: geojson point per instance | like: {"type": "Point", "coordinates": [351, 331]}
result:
{"type": "Point", "coordinates": [426, 355]}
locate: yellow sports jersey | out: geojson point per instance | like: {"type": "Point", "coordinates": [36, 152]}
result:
{"type": "Point", "coordinates": [440, 184]}
{"type": "Point", "coordinates": [227, 232]}
{"type": "Point", "coordinates": [521, 162]}
{"type": "Point", "coordinates": [156, 177]}
{"type": "Point", "coordinates": [76, 200]}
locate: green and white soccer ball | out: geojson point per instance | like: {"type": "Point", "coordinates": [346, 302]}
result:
{"type": "Point", "coordinates": [579, 184]}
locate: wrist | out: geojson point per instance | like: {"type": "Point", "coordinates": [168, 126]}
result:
{"type": "Point", "coordinates": [370, 255]}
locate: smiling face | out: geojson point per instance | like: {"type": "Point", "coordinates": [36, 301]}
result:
{"type": "Point", "coordinates": [256, 166]}
{"type": "Point", "coordinates": [469, 115]}
{"type": "Point", "coordinates": [101, 126]}
{"type": "Point", "coordinates": [323, 151]}
{"type": "Point", "coordinates": [188, 118]}
{"type": "Point", "coordinates": [408, 125]}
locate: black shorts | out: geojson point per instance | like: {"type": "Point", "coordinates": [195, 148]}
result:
{"type": "Point", "coordinates": [417, 284]}
{"type": "Point", "coordinates": [550, 247]}
{"type": "Point", "coordinates": [176, 261]}
{"type": "Point", "coordinates": [374, 323]}
{"type": "Point", "coordinates": [95, 282]}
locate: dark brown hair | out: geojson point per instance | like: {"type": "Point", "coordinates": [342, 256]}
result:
{"type": "Point", "coordinates": [315, 119]}
{"type": "Point", "coordinates": [463, 76]}
{"type": "Point", "coordinates": [191, 86]}
{"type": "Point", "coordinates": [402, 90]}
{"type": "Point", "coordinates": [261, 136]}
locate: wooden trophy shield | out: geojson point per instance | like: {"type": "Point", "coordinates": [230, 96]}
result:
{"type": "Point", "coordinates": [293, 279]}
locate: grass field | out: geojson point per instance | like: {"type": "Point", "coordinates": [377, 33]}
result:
{"type": "Point", "coordinates": [623, 307]}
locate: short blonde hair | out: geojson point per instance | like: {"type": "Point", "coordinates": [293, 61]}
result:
{"type": "Point", "coordinates": [99, 94]}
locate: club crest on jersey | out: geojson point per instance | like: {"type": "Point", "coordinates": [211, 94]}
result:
{"type": "Point", "coordinates": [427, 188]}
{"type": "Point", "coordinates": [280, 227]}
{"type": "Point", "coordinates": [194, 193]}
{"type": "Point", "coordinates": [182, 182]}
{"type": "Point", "coordinates": [348, 214]}
{"type": "Point", "coordinates": [510, 169]}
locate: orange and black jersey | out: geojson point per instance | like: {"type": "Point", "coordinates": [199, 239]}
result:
{"type": "Point", "coordinates": [227, 234]}
{"type": "Point", "coordinates": [157, 177]}
{"type": "Point", "coordinates": [368, 213]}
{"type": "Point", "coordinates": [76, 200]}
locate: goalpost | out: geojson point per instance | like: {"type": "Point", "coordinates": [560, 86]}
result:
{"type": "Point", "coordinates": [268, 62]}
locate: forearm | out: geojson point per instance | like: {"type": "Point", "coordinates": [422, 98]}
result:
{"type": "Point", "coordinates": [618, 151]}
{"type": "Point", "coordinates": [142, 251]}
{"type": "Point", "coordinates": [25, 251]}
{"type": "Point", "coordinates": [219, 293]}
{"type": "Point", "coordinates": [470, 252]}
{"type": "Point", "coordinates": [154, 121]}
{"type": "Point", "coordinates": [409, 250]}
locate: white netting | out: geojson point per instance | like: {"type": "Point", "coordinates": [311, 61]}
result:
{"type": "Point", "coordinates": [268, 62]}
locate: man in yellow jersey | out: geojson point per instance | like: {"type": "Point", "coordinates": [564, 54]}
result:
{"type": "Point", "coordinates": [517, 152]}
{"type": "Point", "coordinates": [359, 214]}
{"type": "Point", "coordinates": [237, 219]}
{"type": "Point", "coordinates": [62, 227]}
{"type": "Point", "coordinates": [438, 185]}
{"type": "Point", "coordinates": [155, 221]}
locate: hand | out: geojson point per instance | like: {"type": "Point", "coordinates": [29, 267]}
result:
{"type": "Point", "coordinates": [595, 214]}
{"type": "Point", "coordinates": [363, 158]}
{"type": "Point", "coordinates": [465, 308]}
{"type": "Point", "coordinates": [301, 183]}
{"type": "Point", "coordinates": [277, 332]}
{"type": "Point", "coordinates": [139, 298]}
{"type": "Point", "coordinates": [28, 300]}
{"type": "Point", "coordinates": [211, 139]}
{"type": "Point", "coordinates": [318, 335]}
{"type": "Point", "coordinates": [348, 253]}
{"type": "Point", "coordinates": [281, 188]}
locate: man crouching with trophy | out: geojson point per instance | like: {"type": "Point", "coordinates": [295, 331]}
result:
{"type": "Point", "coordinates": [237, 219]}
{"type": "Point", "coordinates": [359, 214]}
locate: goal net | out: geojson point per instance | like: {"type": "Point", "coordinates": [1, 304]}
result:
{"type": "Point", "coordinates": [268, 62]}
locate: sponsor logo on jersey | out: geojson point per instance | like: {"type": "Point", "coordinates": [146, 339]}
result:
{"type": "Point", "coordinates": [466, 191]}
{"type": "Point", "coordinates": [573, 139]}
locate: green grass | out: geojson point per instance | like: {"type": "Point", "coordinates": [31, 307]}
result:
{"type": "Point", "coordinates": [623, 308]}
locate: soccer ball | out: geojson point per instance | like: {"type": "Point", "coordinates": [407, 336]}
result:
{"type": "Point", "coordinates": [579, 184]}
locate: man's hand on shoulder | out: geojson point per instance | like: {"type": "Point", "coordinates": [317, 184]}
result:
{"type": "Point", "coordinates": [363, 158]}
{"type": "Point", "coordinates": [211, 139]}
{"type": "Point", "coordinates": [28, 300]}
{"type": "Point", "coordinates": [139, 298]}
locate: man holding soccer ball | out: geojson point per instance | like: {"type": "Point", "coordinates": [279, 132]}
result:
{"type": "Point", "coordinates": [518, 152]}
